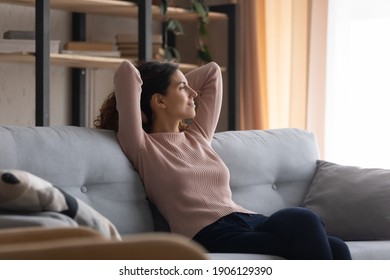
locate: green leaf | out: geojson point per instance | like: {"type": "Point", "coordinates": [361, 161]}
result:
{"type": "Point", "coordinates": [164, 4]}
{"type": "Point", "coordinates": [202, 29]}
{"type": "Point", "coordinates": [174, 26]}
{"type": "Point", "coordinates": [200, 8]}
{"type": "Point", "coordinates": [204, 53]}
{"type": "Point", "coordinates": [170, 53]}
{"type": "Point", "coordinates": [175, 54]}
{"type": "Point", "coordinates": [167, 54]}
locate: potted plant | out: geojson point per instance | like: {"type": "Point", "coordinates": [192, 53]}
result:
{"type": "Point", "coordinates": [170, 53]}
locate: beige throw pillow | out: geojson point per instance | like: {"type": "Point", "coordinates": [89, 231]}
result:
{"type": "Point", "coordinates": [353, 202]}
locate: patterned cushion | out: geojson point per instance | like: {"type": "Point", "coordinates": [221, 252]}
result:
{"type": "Point", "coordinates": [21, 191]}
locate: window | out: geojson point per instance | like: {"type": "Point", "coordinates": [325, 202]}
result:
{"type": "Point", "coordinates": [357, 118]}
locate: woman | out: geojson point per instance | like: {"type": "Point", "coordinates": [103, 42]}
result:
{"type": "Point", "coordinates": [183, 176]}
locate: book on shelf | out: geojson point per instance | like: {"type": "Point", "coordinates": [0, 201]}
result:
{"type": "Point", "coordinates": [90, 46]}
{"type": "Point", "coordinates": [127, 53]}
{"type": "Point", "coordinates": [134, 47]}
{"type": "Point", "coordinates": [93, 53]}
{"type": "Point", "coordinates": [133, 38]}
{"type": "Point", "coordinates": [19, 34]}
{"type": "Point", "coordinates": [127, 44]}
{"type": "Point", "coordinates": [19, 45]}
{"type": "Point", "coordinates": [134, 52]}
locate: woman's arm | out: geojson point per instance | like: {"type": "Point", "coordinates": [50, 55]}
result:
{"type": "Point", "coordinates": [207, 82]}
{"type": "Point", "coordinates": [128, 84]}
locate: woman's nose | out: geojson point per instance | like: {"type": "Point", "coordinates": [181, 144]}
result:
{"type": "Point", "coordinates": [192, 93]}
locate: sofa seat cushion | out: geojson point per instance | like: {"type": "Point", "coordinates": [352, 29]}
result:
{"type": "Point", "coordinates": [360, 250]}
{"type": "Point", "coordinates": [353, 202]}
{"type": "Point", "coordinates": [235, 256]}
{"type": "Point", "coordinates": [370, 250]}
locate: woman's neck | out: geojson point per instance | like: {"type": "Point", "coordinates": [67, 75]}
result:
{"type": "Point", "coordinates": [159, 127]}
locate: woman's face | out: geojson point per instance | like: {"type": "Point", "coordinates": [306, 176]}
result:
{"type": "Point", "coordinates": [179, 99]}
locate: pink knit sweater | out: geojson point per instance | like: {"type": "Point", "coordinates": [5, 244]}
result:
{"type": "Point", "coordinates": [183, 176]}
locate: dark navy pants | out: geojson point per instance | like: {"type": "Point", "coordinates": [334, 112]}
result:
{"type": "Point", "coordinates": [292, 233]}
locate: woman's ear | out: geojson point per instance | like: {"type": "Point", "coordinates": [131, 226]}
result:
{"type": "Point", "coordinates": [158, 101]}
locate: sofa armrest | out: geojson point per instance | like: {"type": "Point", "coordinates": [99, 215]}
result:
{"type": "Point", "coordinates": [19, 236]}
{"type": "Point", "coordinates": [35, 219]}
{"type": "Point", "coordinates": [67, 246]}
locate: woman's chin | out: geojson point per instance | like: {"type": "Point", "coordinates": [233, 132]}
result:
{"type": "Point", "coordinates": [191, 115]}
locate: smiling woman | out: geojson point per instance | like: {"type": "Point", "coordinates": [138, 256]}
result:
{"type": "Point", "coordinates": [159, 82]}
{"type": "Point", "coordinates": [186, 180]}
{"type": "Point", "coordinates": [173, 105]}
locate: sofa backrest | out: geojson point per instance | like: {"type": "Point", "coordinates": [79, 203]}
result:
{"type": "Point", "coordinates": [269, 169]}
{"type": "Point", "coordinates": [87, 163]}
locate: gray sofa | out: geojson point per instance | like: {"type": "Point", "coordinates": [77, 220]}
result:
{"type": "Point", "coordinates": [270, 170]}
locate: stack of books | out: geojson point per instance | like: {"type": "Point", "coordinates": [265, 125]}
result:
{"type": "Point", "coordinates": [127, 45]}
{"type": "Point", "coordinates": [16, 41]}
{"type": "Point", "coordinates": [105, 49]}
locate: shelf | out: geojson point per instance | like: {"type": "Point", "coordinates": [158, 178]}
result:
{"type": "Point", "coordinates": [115, 8]}
{"type": "Point", "coordinates": [76, 61]}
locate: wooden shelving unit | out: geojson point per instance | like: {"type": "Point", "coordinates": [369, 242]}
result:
{"type": "Point", "coordinates": [144, 11]}
{"type": "Point", "coordinates": [114, 8]}
{"type": "Point", "coordinates": [103, 7]}
{"type": "Point", "coordinates": [76, 61]}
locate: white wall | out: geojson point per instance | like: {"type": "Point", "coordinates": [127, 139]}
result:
{"type": "Point", "coordinates": [100, 81]}
{"type": "Point", "coordinates": [17, 81]}
{"type": "Point", "coordinates": [218, 38]}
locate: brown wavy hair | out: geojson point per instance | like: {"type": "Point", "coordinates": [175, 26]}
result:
{"type": "Point", "coordinates": [156, 77]}
{"type": "Point", "coordinates": [108, 117]}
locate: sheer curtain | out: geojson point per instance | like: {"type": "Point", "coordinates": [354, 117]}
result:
{"type": "Point", "coordinates": [274, 51]}
{"type": "Point", "coordinates": [358, 86]}
{"type": "Point", "coordinates": [253, 66]}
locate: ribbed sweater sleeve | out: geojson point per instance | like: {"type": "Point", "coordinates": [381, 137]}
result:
{"type": "Point", "coordinates": [207, 82]}
{"type": "Point", "coordinates": [128, 84]}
